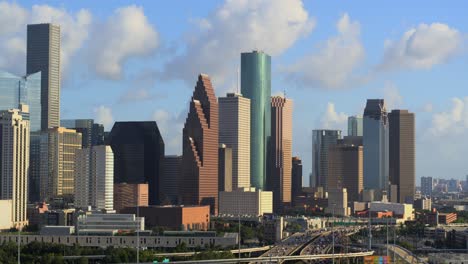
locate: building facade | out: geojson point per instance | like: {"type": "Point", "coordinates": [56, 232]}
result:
{"type": "Point", "coordinates": [280, 160]}
{"type": "Point", "coordinates": [138, 154]}
{"type": "Point", "coordinates": [375, 141]}
{"type": "Point", "coordinates": [234, 132]}
{"type": "Point", "coordinates": [57, 172]}
{"type": "Point", "coordinates": [246, 201]}
{"type": "Point", "coordinates": [14, 163]}
{"type": "Point", "coordinates": [402, 152]}
{"type": "Point", "coordinates": [92, 133]}
{"type": "Point", "coordinates": [130, 195]}
{"type": "Point", "coordinates": [426, 186]}
{"type": "Point", "coordinates": [199, 181]}
{"type": "Point", "coordinates": [338, 202]}
{"type": "Point", "coordinates": [16, 90]}
{"type": "Point", "coordinates": [43, 55]}
{"type": "Point", "coordinates": [355, 126]}
{"type": "Point", "coordinates": [296, 178]}
{"type": "Point", "coordinates": [225, 179]}
{"type": "Point", "coordinates": [169, 181]}
{"type": "Point", "coordinates": [256, 85]}
{"type": "Point", "coordinates": [322, 139]}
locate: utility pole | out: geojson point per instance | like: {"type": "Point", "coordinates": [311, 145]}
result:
{"type": "Point", "coordinates": [370, 231]}
{"type": "Point", "coordinates": [333, 234]}
{"type": "Point", "coordinates": [138, 234]}
{"type": "Point", "coordinates": [19, 245]}
{"type": "Point", "coordinates": [387, 234]}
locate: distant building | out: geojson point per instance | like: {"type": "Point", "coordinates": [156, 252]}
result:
{"type": "Point", "coordinates": [58, 146]}
{"type": "Point", "coordinates": [94, 178]}
{"type": "Point", "coordinates": [447, 218]}
{"type": "Point", "coordinates": [280, 159]}
{"type": "Point", "coordinates": [6, 207]}
{"type": "Point", "coordinates": [355, 126]}
{"type": "Point", "coordinates": [338, 202]}
{"type": "Point", "coordinates": [130, 195]}
{"type": "Point", "coordinates": [273, 228]}
{"type": "Point", "coordinates": [296, 178]}
{"type": "Point", "coordinates": [375, 141]}
{"type": "Point", "coordinates": [402, 152]}
{"type": "Point", "coordinates": [43, 55]}
{"type": "Point", "coordinates": [178, 218]}
{"type": "Point", "coordinates": [169, 180]}
{"type": "Point", "coordinates": [403, 211]}
{"type": "Point", "coordinates": [424, 203]}
{"type": "Point", "coordinates": [14, 162]}
{"type": "Point", "coordinates": [199, 180]}
{"type": "Point", "coordinates": [138, 154]}
{"type": "Point", "coordinates": [92, 134]}
{"type": "Point", "coordinates": [321, 141]}
{"type": "Point", "coordinates": [234, 132]}
{"type": "Point", "coordinates": [105, 224]}
{"type": "Point", "coordinates": [426, 186]}
{"type": "Point", "coordinates": [256, 85]}
{"type": "Point", "coordinates": [225, 179]}
{"type": "Point", "coordinates": [246, 201]}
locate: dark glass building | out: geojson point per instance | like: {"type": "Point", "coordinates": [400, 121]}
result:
{"type": "Point", "coordinates": [296, 176]}
{"type": "Point", "coordinates": [92, 133]}
{"type": "Point", "coordinates": [138, 154]}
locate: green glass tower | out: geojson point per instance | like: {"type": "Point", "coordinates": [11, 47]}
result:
{"type": "Point", "coordinates": [256, 85]}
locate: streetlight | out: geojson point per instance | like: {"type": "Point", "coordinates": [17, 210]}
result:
{"type": "Point", "coordinates": [333, 233]}
{"type": "Point", "coordinates": [386, 220]}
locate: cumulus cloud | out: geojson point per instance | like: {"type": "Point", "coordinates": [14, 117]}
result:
{"type": "Point", "coordinates": [333, 64]}
{"type": "Point", "coordinates": [13, 21]}
{"type": "Point", "coordinates": [239, 26]}
{"type": "Point", "coordinates": [453, 121]}
{"type": "Point", "coordinates": [127, 33]}
{"type": "Point", "coordinates": [333, 119]}
{"type": "Point", "coordinates": [170, 126]}
{"type": "Point", "coordinates": [422, 47]}
{"type": "Point", "coordinates": [392, 96]}
{"type": "Point", "coordinates": [103, 115]}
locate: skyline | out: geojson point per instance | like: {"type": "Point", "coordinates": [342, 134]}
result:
{"type": "Point", "coordinates": [154, 86]}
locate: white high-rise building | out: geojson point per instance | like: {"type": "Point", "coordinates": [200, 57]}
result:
{"type": "Point", "coordinates": [234, 132]}
{"type": "Point", "coordinates": [94, 182]}
{"type": "Point", "coordinates": [14, 162]}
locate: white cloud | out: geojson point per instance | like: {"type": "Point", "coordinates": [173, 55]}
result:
{"type": "Point", "coordinates": [422, 47]}
{"type": "Point", "coordinates": [103, 115]}
{"type": "Point", "coordinates": [74, 31]}
{"type": "Point", "coordinates": [453, 121]}
{"type": "Point", "coordinates": [333, 64]}
{"type": "Point", "coordinates": [332, 119]}
{"type": "Point", "coordinates": [392, 96]}
{"type": "Point", "coordinates": [127, 33]}
{"type": "Point", "coordinates": [170, 126]}
{"type": "Point", "coordinates": [239, 26]}
{"type": "Point", "coordinates": [134, 95]}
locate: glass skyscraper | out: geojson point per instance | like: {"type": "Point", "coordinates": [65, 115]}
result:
{"type": "Point", "coordinates": [256, 85]}
{"type": "Point", "coordinates": [25, 90]}
{"type": "Point", "coordinates": [355, 126]}
{"type": "Point", "coordinates": [322, 139]}
{"type": "Point", "coordinates": [375, 141]}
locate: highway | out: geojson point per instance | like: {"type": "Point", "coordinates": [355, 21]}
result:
{"type": "Point", "coordinates": [404, 254]}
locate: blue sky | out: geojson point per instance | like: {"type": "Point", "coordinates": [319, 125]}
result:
{"type": "Point", "coordinates": [126, 60]}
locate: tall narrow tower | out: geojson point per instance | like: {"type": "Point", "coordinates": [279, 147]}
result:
{"type": "Point", "coordinates": [43, 54]}
{"type": "Point", "coordinates": [256, 85]}
{"type": "Point", "coordinates": [199, 180]}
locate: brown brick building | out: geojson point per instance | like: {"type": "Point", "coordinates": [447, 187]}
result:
{"type": "Point", "coordinates": [130, 195]}
{"type": "Point", "coordinates": [199, 179]}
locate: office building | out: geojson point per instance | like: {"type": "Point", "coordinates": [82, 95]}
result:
{"type": "Point", "coordinates": [423, 203]}
{"type": "Point", "coordinates": [169, 181]}
{"type": "Point", "coordinates": [94, 178]}
{"type": "Point", "coordinates": [355, 126]}
{"type": "Point", "coordinates": [105, 224]}
{"type": "Point", "coordinates": [138, 154]}
{"type": "Point", "coordinates": [199, 181]}
{"type": "Point", "coordinates": [402, 152]}
{"type": "Point", "coordinates": [6, 209]}
{"type": "Point", "coordinates": [14, 163]}
{"type": "Point", "coordinates": [246, 201]}
{"type": "Point", "coordinates": [57, 151]}
{"type": "Point", "coordinates": [256, 85]}
{"type": "Point", "coordinates": [338, 202]}
{"type": "Point", "coordinates": [130, 195]}
{"type": "Point", "coordinates": [296, 178]}
{"type": "Point", "coordinates": [345, 170]}
{"type": "Point", "coordinates": [375, 141]}
{"type": "Point", "coordinates": [321, 140]}
{"type": "Point", "coordinates": [92, 133]}
{"type": "Point", "coordinates": [176, 218]}
{"type": "Point", "coordinates": [426, 186]}
{"type": "Point", "coordinates": [43, 55]}
{"type": "Point", "coordinates": [234, 132]}
{"type": "Point", "coordinates": [16, 90]}
{"type": "Point", "coordinates": [280, 160]}
{"type": "Point", "coordinates": [225, 180]}
{"type": "Point", "coordinates": [404, 211]}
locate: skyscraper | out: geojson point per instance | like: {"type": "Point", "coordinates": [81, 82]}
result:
{"type": "Point", "coordinates": [57, 171]}
{"type": "Point", "coordinates": [224, 169]}
{"type": "Point", "coordinates": [26, 90]}
{"type": "Point", "coordinates": [322, 139]}
{"type": "Point", "coordinates": [402, 168]}
{"type": "Point", "coordinates": [426, 186]}
{"type": "Point", "coordinates": [94, 178]}
{"type": "Point", "coordinates": [355, 126]}
{"type": "Point", "coordinates": [92, 133]}
{"type": "Point", "coordinates": [234, 132]}
{"type": "Point", "coordinates": [169, 181]}
{"type": "Point", "coordinates": [43, 55]}
{"type": "Point", "coordinates": [14, 162]}
{"type": "Point", "coordinates": [199, 181]}
{"type": "Point", "coordinates": [280, 161]}
{"type": "Point", "coordinates": [256, 85]}
{"type": "Point", "coordinates": [296, 176]}
{"type": "Point", "coordinates": [375, 141]}
{"type": "Point", "coordinates": [138, 153]}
